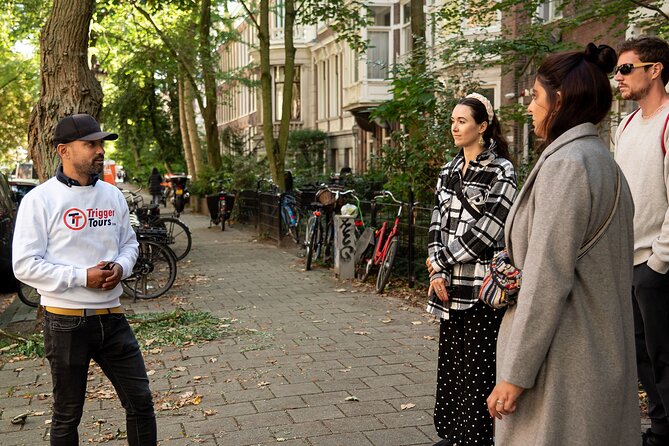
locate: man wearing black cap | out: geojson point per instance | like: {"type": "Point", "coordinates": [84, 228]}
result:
{"type": "Point", "coordinates": [73, 242]}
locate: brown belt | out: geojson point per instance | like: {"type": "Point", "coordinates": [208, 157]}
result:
{"type": "Point", "coordinates": [84, 312]}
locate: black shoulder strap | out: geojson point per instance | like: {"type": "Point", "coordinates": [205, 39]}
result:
{"type": "Point", "coordinates": [457, 186]}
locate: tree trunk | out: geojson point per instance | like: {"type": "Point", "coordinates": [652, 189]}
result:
{"type": "Point", "coordinates": [289, 76]}
{"type": "Point", "coordinates": [209, 77]}
{"type": "Point", "coordinates": [183, 127]}
{"type": "Point", "coordinates": [193, 136]}
{"type": "Point", "coordinates": [418, 35]}
{"type": "Point", "coordinates": [271, 144]}
{"type": "Point", "coordinates": [67, 84]}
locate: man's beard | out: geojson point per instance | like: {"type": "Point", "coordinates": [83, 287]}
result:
{"type": "Point", "coordinates": [91, 169]}
{"type": "Point", "coordinates": [637, 95]}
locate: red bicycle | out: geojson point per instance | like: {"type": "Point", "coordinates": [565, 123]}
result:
{"type": "Point", "coordinates": [385, 249]}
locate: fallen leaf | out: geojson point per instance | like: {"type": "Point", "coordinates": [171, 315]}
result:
{"type": "Point", "coordinates": [179, 369]}
{"type": "Point", "coordinates": [210, 412]}
{"type": "Point", "coordinates": [352, 398]}
{"type": "Point", "coordinates": [280, 439]}
{"type": "Point", "coordinates": [361, 332]}
{"type": "Point", "coordinates": [416, 323]}
{"type": "Point", "coordinates": [387, 320]}
{"type": "Point", "coordinates": [407, 406]}
{"type": "Point", "coordinates": [20, 369]}
{"type": "Point", "coordinates": [263, 384]}
{"type": "Point", "coordinates": [429, 338]}
{"type": "Point", "coordinates": [212, 360]}
{"type": "Point", "coordinates": [150, 372]}
{"type": "Point", "coordinates": [341, 290]}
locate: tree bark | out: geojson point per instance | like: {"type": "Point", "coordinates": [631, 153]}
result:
{"type": "Point", "coordinates": [193, 136]}
{"type": "Point", "coordinates": [209, 77]}
{"type": "Point", "coordinates": [67, 84]}
{"type": "Point", "coordinates": [183, 127]}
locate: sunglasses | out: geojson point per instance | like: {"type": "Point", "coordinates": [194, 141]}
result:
{"type": "Point", "coordinates": [627, 68]}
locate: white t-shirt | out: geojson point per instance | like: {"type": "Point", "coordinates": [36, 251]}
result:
{"type": "Point", "coordinates": [62, 231]}
{"type": "Point", "coordinates": [646, 168]}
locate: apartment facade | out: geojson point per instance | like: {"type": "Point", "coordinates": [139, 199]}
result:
{"type": "Point", "coordinates": [335, 88]}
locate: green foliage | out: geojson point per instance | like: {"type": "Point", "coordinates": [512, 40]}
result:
{"type": "Point", "coordinates": [31, 346]}
{"type": "Point", "coordinates": [239, 172]}
{"type": "Point", "coordinates": [179, 328]}
{"type": "Point", "coordinates": [305, 156]}
{"type": "Point", "coordinates": [19, 74]}
{"type": "Point", "coordinates": [422, 105]}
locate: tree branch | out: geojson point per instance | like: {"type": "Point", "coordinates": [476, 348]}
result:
{"type": "Point", "coordinates": [251, 16]}
{"type": "Point", "coordinates": [174, 52]}
{"type": "Point", "coordinates": [657, 9]}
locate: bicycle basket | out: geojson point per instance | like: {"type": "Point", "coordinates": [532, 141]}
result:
{"type": "Point", "coordinates": [325, 197]}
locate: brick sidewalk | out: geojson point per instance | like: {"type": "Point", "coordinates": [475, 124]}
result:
{"type": "Point", "coordinates": [318, 341]}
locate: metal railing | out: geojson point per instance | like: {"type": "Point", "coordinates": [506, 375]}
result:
{"type": "Point", "coordinates": [261, 209]}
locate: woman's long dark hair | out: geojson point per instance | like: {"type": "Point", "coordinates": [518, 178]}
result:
{"type": "Point", "coordinates": [585, 92]}
{"type": "Point", "coordinates": [494, 129]}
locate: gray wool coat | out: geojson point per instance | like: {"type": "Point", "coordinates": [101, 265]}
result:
{"type": "Point", "coordinates": [569, 341]}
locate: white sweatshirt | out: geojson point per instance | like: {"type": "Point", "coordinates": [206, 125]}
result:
{"type": "Point", "coordinates": [639, 154]}
{"type": "Point", "coordinates": [62, 231]}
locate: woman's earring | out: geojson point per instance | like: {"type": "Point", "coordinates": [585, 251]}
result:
{"type": "Point", "coordinates": [481, 141]}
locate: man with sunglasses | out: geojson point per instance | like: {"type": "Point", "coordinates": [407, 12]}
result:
{"type": "Point", "coordinates": [641, 143]}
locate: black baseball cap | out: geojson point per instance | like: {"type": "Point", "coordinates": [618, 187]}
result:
{"type": "Point", "coordinates": [80, 127]}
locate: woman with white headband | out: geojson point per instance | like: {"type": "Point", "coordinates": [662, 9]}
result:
{"type": "Point", "coordinates": [474, 193]}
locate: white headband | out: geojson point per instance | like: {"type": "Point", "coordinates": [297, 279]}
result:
{"type": "Point", "coordinates": [486, 103]}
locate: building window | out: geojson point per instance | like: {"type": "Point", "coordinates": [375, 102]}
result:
{"type": "Point", "coordinates": [296, 104]}
{"type": "Point", "coordinates": [332, 162]}
{"type": "Point", "coordinates": [549, 10]}
{"type": "Point", "coordinates": [279, 14]}
{"type": "Point", "coordinates": [347, 157]}
{"type": "Point", "coordinates": [407, 43]}
{"type": "Point", "coordinates": [378, 54]}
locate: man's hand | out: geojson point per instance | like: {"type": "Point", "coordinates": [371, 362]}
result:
{"type": "Point", "coordinates": [438, 286]}
{"type": "Point", "coordinates": [502, 400]}
{"type": "Point", "coordinates": [105, 275]}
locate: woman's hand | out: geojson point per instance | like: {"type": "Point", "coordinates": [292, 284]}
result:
{"type": "Point", "coordinates": [502, 400]}
{"type": "Point", "coordinates": [430, 269]}
{"type": "Point", "coordinates": [438, 286]}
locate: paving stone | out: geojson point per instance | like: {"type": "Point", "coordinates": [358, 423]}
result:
{"type": "Point", "coordinates": [404, 436]}
{"type": "Point", "coordinates": [354, 438]}
{"type": "Point", "coordinates": [276, 418]}
{"type": "Point", "coordinates": [353, 424]}
{"type": "Point", "coordinates": [315, 413]}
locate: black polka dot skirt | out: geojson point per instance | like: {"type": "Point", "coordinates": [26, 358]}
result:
{"type": "Point", "coordinates": [466, 375]}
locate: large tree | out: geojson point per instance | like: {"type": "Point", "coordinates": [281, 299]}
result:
{"type": "Point", "coordinates": [197, 64]}
{"type": "Point", "coordinates": [345, 17]}
{"type": "Point", "coordinates": [67, 84]}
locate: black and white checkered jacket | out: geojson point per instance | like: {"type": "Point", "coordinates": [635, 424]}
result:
{"type": "Point", "coordinates": [460, 247]}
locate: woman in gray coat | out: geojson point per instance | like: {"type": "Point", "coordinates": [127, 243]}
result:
{"type": "Point", "coordinates": [566, 372]}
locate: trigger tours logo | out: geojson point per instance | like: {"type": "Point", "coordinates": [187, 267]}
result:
{"type": "Point", "coordinates": [76, 219]}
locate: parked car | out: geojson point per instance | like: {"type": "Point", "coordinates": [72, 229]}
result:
{"type": "Point", "coordinates": [20, 187]}
{"type": "Point", "coordinates": [7, 220]}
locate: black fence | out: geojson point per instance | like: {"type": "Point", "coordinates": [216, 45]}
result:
{"type": "Point", "coordinates": [262, 210]}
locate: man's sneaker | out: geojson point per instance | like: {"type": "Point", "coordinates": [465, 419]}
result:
{"type": "Point", "coordinates": [652, 439]}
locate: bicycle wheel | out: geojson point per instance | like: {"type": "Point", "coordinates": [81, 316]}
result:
{"type": "Point", "coordinates": [154, 272]}
{"type": "Point", "coordinates": [313, 228]}
{"type": "Point", "coordinates": [178, 234]}
{"type": "Point", "coordinates": [386, 266]}
{"type": "Point", "coordinates": [28, 295]}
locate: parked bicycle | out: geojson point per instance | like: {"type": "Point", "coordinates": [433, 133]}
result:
{"type": "Point", "coordinates": [179, 237]}
{"type": "Point", "coordinates": [319, 237]}
{"type": "Point", "coordinates": [220, 206]}
{"type": "Point", "coordinates": [290, 218]}
{"type": "Point", "coordinates": [155, 270]}
{"type": "Point", "coordinates": [385, 245]}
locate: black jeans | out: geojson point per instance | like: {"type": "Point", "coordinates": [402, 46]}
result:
{"type": "Point", "coordinates": [650, 294]}
{"type": "Point", "coordinates": [70, 342]}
